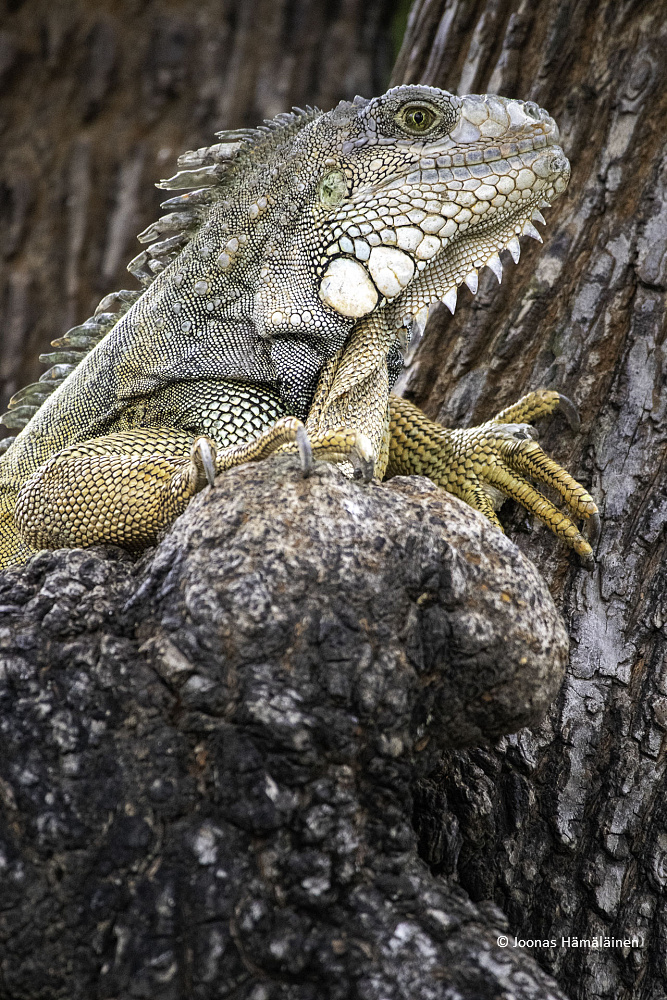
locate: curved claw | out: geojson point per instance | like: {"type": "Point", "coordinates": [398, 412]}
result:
{"type": "Point", "coordinates": [305, 451]}
{"type": "Point", "coordinates": [363, 459]}
{"type": "Point", "coordinates": [202, 447]}
{"type": "Point", "coordinates": [587, 560]}
{"type": "Point", "coordinates": [593, 527]}
{"type": "Point", "coordinates": [570, 412]}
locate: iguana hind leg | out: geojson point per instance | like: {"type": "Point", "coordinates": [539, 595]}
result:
{"type": "Point", "coordinates": [497, 457]}
{"type": "Point", "coordinates": [121, 489]}
{"type": "Point", "coordinates": [126, 488]}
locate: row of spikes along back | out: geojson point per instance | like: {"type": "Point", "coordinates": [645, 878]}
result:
{"type": "Point", "coordinates": [201, 172]}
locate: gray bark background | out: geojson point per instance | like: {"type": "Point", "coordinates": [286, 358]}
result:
{"type": "Point", "coordinates": [566, 829]}
{"type": "Point", "coordinates": [207, 756]}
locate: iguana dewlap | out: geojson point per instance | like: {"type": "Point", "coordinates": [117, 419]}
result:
{"type": "Point", "coordinates": [276, 293]}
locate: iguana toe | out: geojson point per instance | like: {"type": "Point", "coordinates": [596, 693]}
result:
{"type": "Point", "coordinates": [500, 458]}
{"type": "Point", "coordinates": [540, 403]}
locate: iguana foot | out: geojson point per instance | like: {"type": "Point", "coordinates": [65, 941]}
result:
{"type": "Point", "coordinates": [287, 433]}
{"type": "Point", "coordinates": [483, 465]}
{"type": "Point", "coordinates": [342, 444]}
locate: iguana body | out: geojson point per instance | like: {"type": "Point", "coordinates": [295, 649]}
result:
{"type": "Point", "coordinates": [281, 293]}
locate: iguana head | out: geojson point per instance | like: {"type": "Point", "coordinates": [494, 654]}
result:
{"type": "Point", "coordinates": [427, 189]}
{"type": "Point", "coordinates": [396, 201]}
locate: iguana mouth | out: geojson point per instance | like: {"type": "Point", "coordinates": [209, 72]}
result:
{"type": "Point", "coordinates": [479, 245]}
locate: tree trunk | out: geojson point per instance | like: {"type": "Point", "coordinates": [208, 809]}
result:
{"type": "Point", "coordinates": [206, 757]}
{"type": "Point", "coordinates": [566, 828]}
{"type": "Point", "coordinates": [98, 99]}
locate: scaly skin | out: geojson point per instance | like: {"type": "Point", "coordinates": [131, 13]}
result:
{"type": "Point", "coordinates": [499, 454]}
{"type": "Point", "coordinates": [278, 292]}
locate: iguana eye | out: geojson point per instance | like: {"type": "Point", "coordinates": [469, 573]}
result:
{"type": "Point", "coordinates": [417, 118]}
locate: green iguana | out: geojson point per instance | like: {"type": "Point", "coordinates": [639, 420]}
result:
{"type": "Point", "coordinates": [277, 294]}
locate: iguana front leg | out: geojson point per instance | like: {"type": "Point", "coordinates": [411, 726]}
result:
{"type": "Point", "coordinates": [497, 457]}
{"type": "Point", "coordinates": [353, 391]}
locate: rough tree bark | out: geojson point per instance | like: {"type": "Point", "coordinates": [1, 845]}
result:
{"type": "Point", "coordinates": [566, 828]}
{"type": "Point", "coordinates": [98, 99]}
{"type": "Point", "coordinates": [206, 758]}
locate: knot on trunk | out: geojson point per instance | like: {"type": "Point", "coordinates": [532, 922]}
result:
{"type": "Point", "coordinates": [209, 754]}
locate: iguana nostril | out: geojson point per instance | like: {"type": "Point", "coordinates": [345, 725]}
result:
{"type": "Point", "coordinates": [550, 163]}
{"type": "Point", "coordinates": [559, 163]}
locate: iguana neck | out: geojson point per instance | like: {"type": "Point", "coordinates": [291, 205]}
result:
{"type": "Point", "coordinates": [250, 266]}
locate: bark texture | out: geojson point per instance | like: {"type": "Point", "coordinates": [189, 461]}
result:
{"type": "Point", "coordinates": [206, 758]}
{"type": "Point", "coordinates": [566, 829]}
{"type": "Point", "coordinates": [97, 99]}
